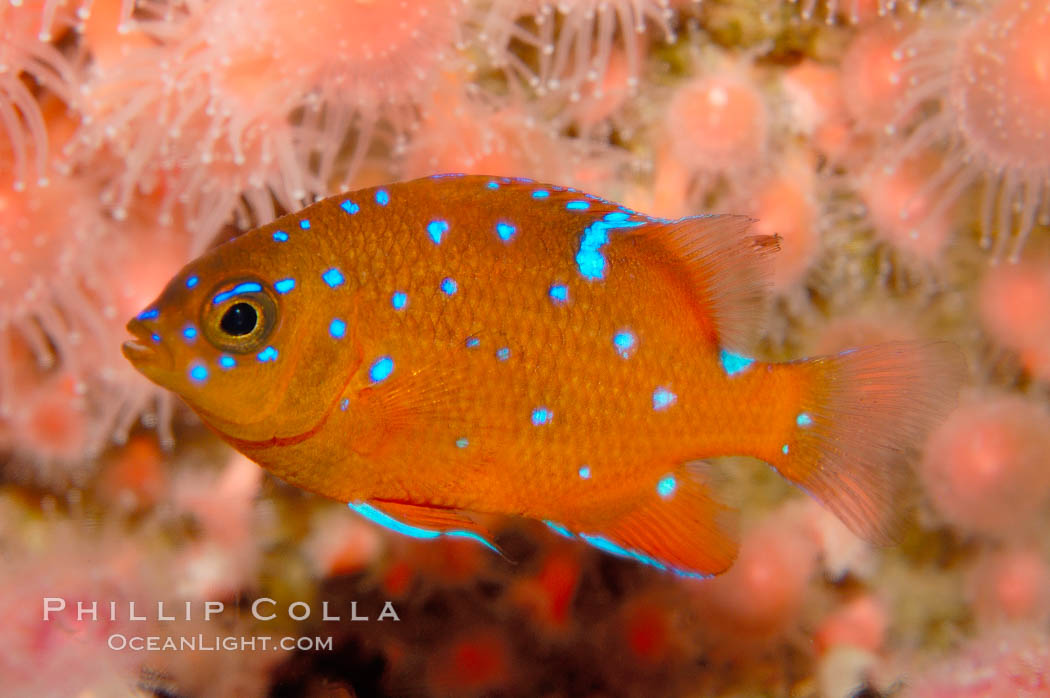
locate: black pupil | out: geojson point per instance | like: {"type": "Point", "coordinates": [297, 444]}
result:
{"type": "Point", "coordinates": [239, 320]}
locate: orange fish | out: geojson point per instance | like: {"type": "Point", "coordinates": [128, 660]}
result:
{"type": "Point", "coordinates": [456, 345]}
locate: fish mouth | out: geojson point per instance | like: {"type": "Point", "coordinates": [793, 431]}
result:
{"type": "Point", "coordinates": [144, 351]}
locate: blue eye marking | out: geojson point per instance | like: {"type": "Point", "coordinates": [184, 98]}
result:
{"type": "Point", "coordinates": [350, 207]}
{"type": "Point", "coordinates": [155, 337]}
{"type": "Point", "coordinates": [784, 449]}
{"type": "Point", "coordinates": [472, 342]}
{"type": "Point", "coordinates": [589, 260]}
{"type": "Point", "coordinates": [267, 354]}
{"type": "Point", "coordinates": [280, 236]}
{"type": "Point", "coordinates": [540, 194]}
{"type": "Point", "coordinates": [189, 332]}
{"type": "Point", "coordinates": [284, 285]}
{"type": "Point", "coordinates": [227, 361]}
{"type": "Point", "coordinates": [191, 282]}
{"type": "Point", "coordinates": [462, 442]}
{"type": "Point", "coordinates": [577, 205]}
{"type": "Point", "coordinates": [305, 224]}
{"type": "Point", "coordinates": [663, 398]}
{"type": "Point", "coordinates": [585, 472]}
{"type": "Point", "coordinates": [382, 197]}
{"type": "Point", "coordinates": [333, 277]}
{"type": "Point", "coordinates": [541, 415]}
{"type": "Point", "coordinates": [493, 185]}
{"type": "Point", "coordinates": [503, 353]}
{"type": "Point", "coordinates": [505, 231]}
{"type": "Point", "coordinates": [624, 342]}
{"type": "Point", "coordinates": [246, 287]}
{"type": "Point", "coordinates": [666, 487]}
{"type": "Point", "coordinates": [199, 373]}
{"type": "Point", "coordinates": [345, 404]}
{"type": "Point", "coordinates": [449, 285]}
{"type": "Point", "coordinates": [148, 314]}
{"type": "Point", "coordinates": [375, 516]}
{"type": "Point", "coordinates": [381, 369]}
{"type": "Point", "coordinates": [337, 328]}
{"type": "Point", "coordinates": [803, 420]}
{"type": "Point", "coordinates": [733, 364]}
{"type": "Point", "coordinates": [436, 230]}
{"type": "Point", "coordinates": [559, 293]}
{"type": "Point", "coordinates": [398, 300]}
{"type": "Point", "coordinates": [559, 529]}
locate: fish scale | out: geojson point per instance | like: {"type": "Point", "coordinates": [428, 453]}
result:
{"type": "Point", "coordinates": [554, 356]}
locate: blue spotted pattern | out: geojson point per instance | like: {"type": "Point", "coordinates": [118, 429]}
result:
{"type": "Point", "coordinates": [350, 207]}
{"type": "Point", "coordinates": [280, 236]}
{"type": "Point", "coordinates": [559, 293]}
{"type": "Point", "coordinates": [503, 353]}
{"type": "Point", "coordinates": [449, 285]}
{"type": "Point", "coordinates": [333, 277]}
{"type": "Point", "coordinates": [189, 332]}
{"type": "Point", "coordinates": [337, 328]}
{"type": "Point", "coordinates": [305, 224]}
{"type": "Point", "coordinates": [541, 416]}
{"type": "Point", "coordinates": [436, 230]}
{"type": "Point", "coordinates": [589, 260]}
{"type": "Point", "coordinates": [284, 285]}
{"type": "Point", "coordinates": [267, 354]}
{"type": "Point", "coordinates": [199, 373]}
{"type": "Point", "coordinates": [191, 282]}
{"type": "Point", "coordinates": [666, 487]}
{"type": "Point", "coordinates": [382, 197]}
{"type": "Point", "coordinates": [663, 398]}
{"type": "Point", "coordinates": [381, 369]}
{"type": "Point", "coordinates": [624, 341]}
{"type": "Point", "coordinates": [148, 314]}
{"type": "Point", "coordinates": [246, 287]}
{"type": "Point", "coordinates": [505, 231]}
{"type": "Point", "coordinates": [227, 361]}
{"type": "Point", "coordinates": [398, 300]}
{"type": "Point", "coordinates": [585, 472]}
{"type": "Point", "coordinates": [803, 420]}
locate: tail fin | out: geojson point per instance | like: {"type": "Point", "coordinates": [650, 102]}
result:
{"type": "Point", "coordinates": [863, 413]}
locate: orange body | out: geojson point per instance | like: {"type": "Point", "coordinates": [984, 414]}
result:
{"type": "Point", "coordinates": [475, 344]}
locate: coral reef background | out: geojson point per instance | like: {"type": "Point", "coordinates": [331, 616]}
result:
{"type": "Point", "coordinates": [902, 151]}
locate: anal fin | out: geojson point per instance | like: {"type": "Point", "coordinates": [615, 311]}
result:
{"type": "Point", "coordinates": [681, 528]}
{"type": "Point", "coordinates": [421, 521]}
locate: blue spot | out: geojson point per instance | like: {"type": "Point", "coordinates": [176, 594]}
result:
{"type": "Point", "coordinates": [337, 328]}
{"type": "Point", "coordinates": [267, 354]}
{"type": "Point", "coordinates": [577, 205]}
{"type": "Point", "coordinates": [503, 353]}
{"type": "Point", "coordinates": [189, 332]}
{"type": "Point", "coordinates": [280, 236]}
{"type": "Point", "coordinates": [284, 285]}
{"type": "Point", "coordinates": [199, 373]}
{"type": "Point", "coordinates": [375, 516]}
{"type": "Point", "coordinates": [624, 342]}
{"type": "Point", "coordinates": [333, 277]}
{"type": "Point", "coordinates": [666, 487]}
{"type": "Point", "coordinates": [148, 314]}
{"type": "Point", "coordinates": [350, 207]}
{"type": "Point", "coordinates": [155, 337]}
{"type": "Point", "coordinates": [585, 472]}
{"type": "Point", "coordinates": [559, 529]}
{"type": "Point", "coordinates": [505, 231]}
{"type": "Point", "coordinates": [616, 216]}
{"type": "Point", "coordinates": [784, 449]}
{"type": "Point", "coordinates": [472, 342]}
{"type": "Point", "coordinates": [345, 404]}
{"type": "Point", "coordinates": [382, 197]}
{"type": "Point", "coordinates": [227, 361]}
{"type": "Point", "coordinates": [559, 293]}
{"type": "Point", "coordinates": [803, 420]}
{"type": "Point", "coordinates": [449, 285]}
{"type": "Point", "coordinates": [398, 300]}
{"type": "Point", "coordinates": [540, 194]}
{"type": "Point", "coordinates": [461, 442]}
{"type": "Point", "coordinates": [191, 282]}
{"type": "Point", "coordinates": [246, 287]}
{"type": "Point", "coordinates": [381, 369]}
{"type": "Point", "coordinates": [541, 415]}
{"type": "Point", "coordinates": [589, 260]}
{"type": "Point", "coordinates": [663, 398]}
{"type": "Point", "coordinates": [493, 185]}
{"type": "Point", "coordinates": [733, 364]}
{"type": "Point", "coordinates": [305, 224]}
{"type": "Point", "coordinates": [436, 230]}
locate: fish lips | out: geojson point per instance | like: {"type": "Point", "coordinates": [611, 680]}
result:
{"type": "Point", "coordinates": [145, 353]}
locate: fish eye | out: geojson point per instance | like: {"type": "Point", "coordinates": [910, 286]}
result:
{"type": "Point", "coordinates": [239, 317]}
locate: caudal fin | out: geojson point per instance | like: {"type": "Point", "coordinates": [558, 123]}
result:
{"type": "Point", "coordinates": [862, 415]}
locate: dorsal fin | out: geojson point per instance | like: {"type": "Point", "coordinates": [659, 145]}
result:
{"type": "Point", "coordinates": [729, 270]}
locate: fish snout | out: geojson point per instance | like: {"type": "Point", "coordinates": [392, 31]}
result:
{"type": "Point", "coordinates": [147, 349]}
